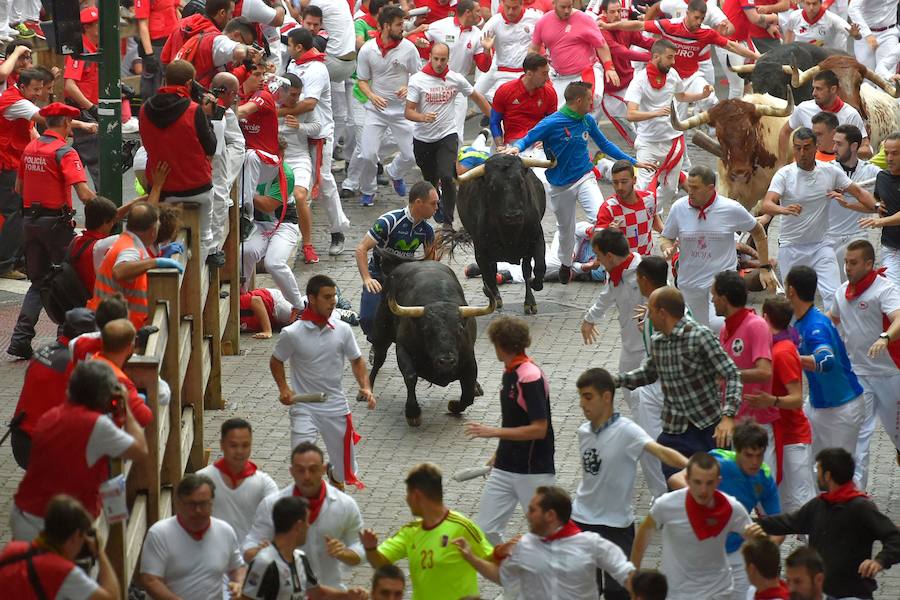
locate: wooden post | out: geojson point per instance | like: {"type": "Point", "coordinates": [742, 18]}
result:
{"type": "Point", "coordinates": [231, 274]}
{"type": "Point", "coordinates": [193, 296]}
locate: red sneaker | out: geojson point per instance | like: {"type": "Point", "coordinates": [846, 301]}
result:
{"type": "Point", "coordinates": [309, 254]}
{"type": "Point", "coordinates": [36, 28]}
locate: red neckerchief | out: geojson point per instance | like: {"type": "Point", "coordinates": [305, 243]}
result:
{"type": "Point", "coordinates": [460, 25]}
{"type": "Point", "coordinates": [567, 530]}
{"type": "Point", "coordinates": [197, 535]}
{"type": "Point", "coordinates": [429, 70]}
{"type": "Point", "coordinates": [516, 362]}
{"type": "Point", "coordinates": [818, 16]}
{"type": "Point", "coordinates": [509, 21]}
{"type": "Point", "coordinates": [705, 521]}
{"type": "Point", "coordinates": [309, 314]}
{"type": "Point", "coordinates": [309, 56]}
{"type": "Point", "coordinates": [702, 209]}
{"type": "Point", "coordinates": [843, 493]}
{"type": "Point", "coordinates": [616, 273]}
{"type": "Point", "coordinates": [369, 20]}
{"type": "Point", "coordinates": [656, 77]}
{"type": "Point", "coordinates": [734, 321]}
{"type": "Point", "coordinates": [248, 470]}
{"type": "Point", "coordinates": [178, 90]}
{"type": "Point", "coordinates": [385, 48]}
{"type": "Point", "coordinates": [855, 290]}
{"type": "Point", "coordinates": [779, 592]}
{"type": "Point", "coordinates": [315, 504]}
{"type": "Point", "coordinates": [834, 108]}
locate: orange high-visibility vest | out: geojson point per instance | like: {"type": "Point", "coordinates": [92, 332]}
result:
{"type": "Point", "coordinates": [134, 291]}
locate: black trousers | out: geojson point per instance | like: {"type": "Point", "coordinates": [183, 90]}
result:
{"type": "Point", "coordinates": [623, 537]}
{"type": "Point", "coordinates": [437, 160]}
{"type": "Point", "coordinates": [87, 145]}
{"type": "Point", "coordinates": [11, 234]}
{"type": "Point", "coordinates": [150, 82]}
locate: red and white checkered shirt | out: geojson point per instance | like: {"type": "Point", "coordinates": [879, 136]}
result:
{"type": "Point", "coordinates": [638, 218]}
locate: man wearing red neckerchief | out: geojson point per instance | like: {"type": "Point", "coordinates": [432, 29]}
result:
{"type": "Point", "coordinates": [825, 89]}
{"type": "Point", "coordinates": [805, 574]}
{"type": "Point", "coordinates": [334, 518]}
{"type": "Point", "coordinates": [695, 522]}
{"type": "Point", "coordinates": [189, 554]}
{"type": "Point", "coordinates": [817, 25]}
{"type": "Point", "coordinates": [240, 485]}
{"type": "Point", "coordinates": [867, 307]}
{"type": "Point", "coordinates": [555, 559]}
{"type": "Point", "coordinates": [763, 561]}
{"type": "Point", "coordinates": [842, 523]}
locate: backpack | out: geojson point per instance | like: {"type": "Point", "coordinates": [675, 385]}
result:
{"type": "Point", "coordinates": [62, 288]}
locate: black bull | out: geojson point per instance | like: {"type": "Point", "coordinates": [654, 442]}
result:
{"type": "Point", "coordinates": [768, 77]}
{"type": "Point", "coordinates": [501, 204]}
{"type": "Point", "coordinates": [425, 314]}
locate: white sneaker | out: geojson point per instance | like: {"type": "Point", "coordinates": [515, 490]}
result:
{"type": "Point", "coordinates": [130, 126]}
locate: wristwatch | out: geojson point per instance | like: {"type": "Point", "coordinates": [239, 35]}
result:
{"type": "Point", "coordinates": [885, 336]}
{"type": "Point", "coordinates": [766, 266]}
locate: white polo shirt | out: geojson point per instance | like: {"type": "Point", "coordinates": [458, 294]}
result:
{"type": "Point", "coordinates": [695, 569]}
{"type": "Point", "coordinates": [339, 518]}
{"type": "Point", "coordinates": [317, 361]}
{"type": "Point", "coordinates": [625, 297]}
{"type": "Point", "coordinates": [316, 84]}
{"type": "Point", "coordinates": [809, 189]}
{"type": "Point", "coordinates": [337, 20]}
{"type": "Point", "coordinates": [511, 39]}
{"type": "Point", "coordinates": [658, 129]}
{"type": "Point", "coordinates": [806, 110]}
{"type": "Point", "coordinates": [237, 506]}
{"type": "Point", "coordinates": [464, 43]}
{"type": "Point", "coordinates": [191, 568]}
{"type": "Point", "coordinates": [387, 73]}
{"type": "Point", "coordinates": [843, 221]}
{"type": "Point", "coordinates": [561, 569]}
{"type": "Point", "coordinates": [706, 246]}
{"type": "Point", "coordinates": [435, 95]}
{"type": "Point", "coordinates": [608, 469]}
{"type": "Point", "coordinates": [861, 324]}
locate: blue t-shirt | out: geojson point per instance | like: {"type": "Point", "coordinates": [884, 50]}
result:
{"type": "Point", "coordinates": [749, 491]}
{"type": "Point", "coordinates": [396, 233]}
{"type": "Point", "coordinates": [833, 383]}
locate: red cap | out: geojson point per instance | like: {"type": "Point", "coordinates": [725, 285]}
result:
{"type": "Point", "coordinates": [58, 109]}
{"type": "Point", "coordinates": [89, 15]}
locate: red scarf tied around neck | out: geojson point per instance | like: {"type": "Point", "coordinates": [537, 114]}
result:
{"type": "Point", "coordinates": [842, 494]}
{"type": "Point", "coordinates": [368, 18]}
{"type": "Point", "coordinates": [429, 70]}
{"type": "Point", "coordinates": [248, 470]}
{"type": "Point", "coordinates": [197, 535]}
{"type": "Point", "coordinates": [178, 90]}
{"type": "Point", "coordinates": [516, 362]}
{"type": "Point", "coordinates": [836, 107]}
{"type": "Point", "coordinates": [309, 314]}
{"type": "Point", "coordinates": [385, 48]}
{"type": "Point", "coordinates": [315, 504]}
{"type": "Point", "coordinates": [567, 530]}
{"type": "Point", "coordinates": [855, 290]}
{"type": "Point", "coordinates": [734, 321]}
{"type": "Point", "coordinates": [616, 274]}
{"type": "Point", "coordinates": [702, 209]}
{"type": "Point", "coordinates": [309, 56]}
{"type": "Point", "coordinates": [708, 522]}
{"type": "Point", "coordinates": [779, 592]}
{"type": "Point", "coordinates": [656, 77]}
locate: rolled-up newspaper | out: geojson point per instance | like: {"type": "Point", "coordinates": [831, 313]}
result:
{"type": "Point", "coordinates": [314, 397]}
{"type": "Point", "coordinates": [467, 474]}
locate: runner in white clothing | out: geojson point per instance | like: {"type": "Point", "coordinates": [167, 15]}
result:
{"type": "Point", "coordinates": [815, 25]}
{"type": "Point", "coordinates": [508, 32]}
{"type": "Point", "coordinates": [877, 20]}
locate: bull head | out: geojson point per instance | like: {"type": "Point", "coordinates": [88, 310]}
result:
{"type": "Point", "coordinates": [418, 311]}
{"type": "Point", "coordinates": [761, 109]}
{"type": "Point", "coordinates": [527, 162]}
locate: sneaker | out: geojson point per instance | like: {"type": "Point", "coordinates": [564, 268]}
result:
{"type": "Point", "coordinates": [471, 271]}
{"type": "Point", "coordinates": [345, 193]}
{"type": "Point", "coordinates": [367, 200]}
{"type": "Point", "coordinates": [35, 29]}
{"type": "Point", "coordinates": [337, 244]}
{"type": "Point", "coordinates": [216, 259]}
{"type": "Point", "coordinates": [565, 274]}
{"type": "Point", "coordinates": [400, 187]}
{"type": "Point", "coordinates": [20, 353]}
{"type": "Point", "coordinates": [23, 32]}
{"type": "Point", "coordinates": [309, 254]}
{"type": "Point", "coordinates": [14, 275]}
{"type": "Point", "coordinates": [351, 317]}
{"type": "Point", "coordinates": [130, 126]}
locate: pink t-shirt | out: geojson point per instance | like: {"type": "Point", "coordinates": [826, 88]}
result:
{"type": "Point", "coordinates": [571, 43]}
{"type": "Point", "coordinates": [749, 342]}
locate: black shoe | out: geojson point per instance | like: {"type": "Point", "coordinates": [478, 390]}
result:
{"type": "Point", "coordinates": [337, 244]}
{"type": "Point", "coordinates": [345, 193]}
{"type": "Point", "coordinates": [216, 259]}
{"type": "Point", "coordinates": [565, 274]}
{"type": "Point", "coordinates": [20, 352]}
{"type": "Point", "coordinates": [382, 180]}
{"type": "Point", "coordinates": [380, 169]}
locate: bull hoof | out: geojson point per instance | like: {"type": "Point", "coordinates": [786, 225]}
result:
{"type": "Point", "coordinates": [499, 302]}
{"type": "Point", "coordinates": [456, 407]}
{"type": "Point", "coordinates": [537, 284]}
{"type": "Point", "coordinates": [530, 309]}
{"type": "Point", "coordinates": [414, 421]}
{"type": "Point", "coordinates": [478, 389]}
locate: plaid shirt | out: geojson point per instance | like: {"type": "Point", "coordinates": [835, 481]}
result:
{"type": "Point", "coordinates": [689, 362]}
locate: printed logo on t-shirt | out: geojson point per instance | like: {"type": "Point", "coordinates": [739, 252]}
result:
{"type": "Point", "coordinates": [863, 305]}
{"type": "Point", "coordinates": [253, 578]}
{"type": "Point", "coordinates": [737, 346]}
{"type": "Point", "coordinates": [591, 461]}
{"type": "Point", "coordinates": [584, 135]}
{"type": "Point", "coordinates": [568, 28]}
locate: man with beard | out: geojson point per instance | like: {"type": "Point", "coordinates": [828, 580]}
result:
{"type": "Point", "coordinates": [805, 574]}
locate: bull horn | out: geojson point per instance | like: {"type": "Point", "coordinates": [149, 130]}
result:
{"type": "Point", "coordinates": [764, 110]}
{"type": "Point", "coordinates": [883, 83]}
{"type": "Point", "coordinates": [740, 69]}
{"type": "Point", "coordinates": [800, 78]}
{"type": "Point", "coordinates": [694, 121]}
{"type": "Point", "coordinates": [471, 174]}
{"type": "Point", "coordinates": [405, 311]}
{"type": "Point", "coordinates": [539, 163]}
{"type": "Point", "coordinates": [477, 311]}
{"type": "Point", "coordinates": [701, 140]}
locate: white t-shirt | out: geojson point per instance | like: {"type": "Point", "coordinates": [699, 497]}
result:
{"type": "Point", "coordinates": [512, 40]}
{"type": "Point", "coordinates": [464, 45]}
{"type": "Point", "coordinates": [435, 95]}
{"type": "Point", "coordinates": [861, 324]}
{"type": "Point", "coordinates": [609, 466]}
{"type": "Point", "coordinates": [237, 506]}
{"type": "Point", "coordinates": [317, 362]}
{"type": "Point", "coordinates": [191, 568]}
{"type": "Point", "coordinates": [808, 189]}
{"type": "Point", "coordinates": [706, 246]}
{"type": "Point", "coordinates": [21, 109]}
{"type": "Point", "coordinates": [387, 74]}
{"type": "Point", "coordinates": [106, 440]}
{"type": "Point", "coordinates": [77, 586]}
{"type": "Point", "coordinates": [271, 577]}
{"type": "Point", "coordinates": [316, 84]}
{"type": "Point", "coordinates": [805, 111]}
{"type": "Point", "coordinates": [695, 569]}
{"type": "Point", "coordinates": [843, 221]}
{"type": "Point", "coordinates": [827, 30]}
{"type": "Point", "coordinates": [648, 99]}
{"type": "Point", "coordinates": [337, 20]}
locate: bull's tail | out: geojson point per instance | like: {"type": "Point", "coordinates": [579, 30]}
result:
{"type": "Point", "coordinates": [451, 241]}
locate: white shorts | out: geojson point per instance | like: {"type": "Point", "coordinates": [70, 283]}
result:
{"type": "Point", "coordinates": [297, 157]}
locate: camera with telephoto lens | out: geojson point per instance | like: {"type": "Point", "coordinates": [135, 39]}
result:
{"type": "Point", "coordinates": [198, 95]}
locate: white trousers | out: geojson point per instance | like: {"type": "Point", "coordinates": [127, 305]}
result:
{"type": "Point", "coordinates": [388, 146]}
{"type": "Point", "coordinates": [560, 82]}
{"type": "Point", "coordinates": [307, 423]}
{"type": "Point", "coordinates": [649, 417]}
{"type": "Point", "coordinates": [890, 259]}
{"type": "Point", "coordinates": [699, 300]}
{"type": "Point", "coordinates": [740, 583]}
{"type": "Point", "coordinates": [614, 109]}
{"type": "Point", "coordinates": [488, 82]}
{"type": "Point", "coordinates": [502, 491]}
{"type": "Point", "coordinates": [887, 41]}
{"type": "Point", "coordinates": [275, 250]}
{"type": "Point", "coordinates": [339, 72]}
{"type": "Point", "coordinates": [836, 427]}
{"type": "Point", "coordinates": [798, 485]}
{"type": "Point", "coordinates": [881, 396]}
{"type": "Point", "coordinates": [563, 199]}
{"type": "Point", "coordinates": [253, 173]}
{"type": "Point", "coordinates": [205, 202]}
{"type": "Point", "coordinates": [328, 192]}
{"type": "Point", "coordinates": [460, 109]}
{"type": "Point", "coordinates": [735, 82]}
{"type": "Point", "coordinates": [820, 258]}
{"type": "Point", "coordinates": [24, 10]}
{"type": "Point", "coordinates": [5, 29]}
{"type": "Point", "coordinates": [695, 84]}
{"type": "Point", "coordinates": [667, 182]}
{"type": "Point", "coordinates": [377, 125]}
